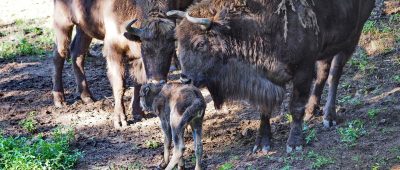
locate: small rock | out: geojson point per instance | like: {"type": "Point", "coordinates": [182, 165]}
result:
{"type": "Point", "coordinates": [383, 121]}
{"type": "Point", "coordinates": [246, 132]}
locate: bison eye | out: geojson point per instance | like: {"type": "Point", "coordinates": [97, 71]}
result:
{"type": "Point", "coordinates": [200, 45]}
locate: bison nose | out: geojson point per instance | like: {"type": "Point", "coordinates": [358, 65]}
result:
{"type": "Point", "coordinates": [184, 79]}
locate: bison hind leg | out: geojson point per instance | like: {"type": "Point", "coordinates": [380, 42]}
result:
{"type": "Point", "coordinates": [264, 135]}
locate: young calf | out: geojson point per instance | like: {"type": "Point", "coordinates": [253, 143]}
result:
{"type": "Point", "coordinates": [177, 105]}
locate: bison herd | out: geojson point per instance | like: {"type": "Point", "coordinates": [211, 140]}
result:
{"type": "Point", "coordinates": [237, 49]}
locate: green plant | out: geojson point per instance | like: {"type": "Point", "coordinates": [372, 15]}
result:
{"type": "Point", "coordinates": [375, 166]}
{"type": "Point", "coordinates": [353, 131]}
{"type": "Point", "coordinates": [360, 61]}
{"type": "Point", "coordinates": [394, 18]}
{"type": "Point", "coordinates": [38, 153]}
{"type": "Point", "coordinates": [370, 27]}
{"type": "Point", "coordinates": [372, 113]}
{"type": "Point", "coordinates": [29, 124]}
{"type": "Point", "coordinates": [319, 161]}
{"type": "Point", "coordinates": [289, 117]}
{"type": "Point", "coordinates": [226, 166]}
{"type": "Point", "coordinates": [396, 78]}
{"type": "Point", "coordinates": [152, 144]}
{"type": "Point", "coordinates": [311, 136]}
{"type": "Point", "coordinates": [19, 22]}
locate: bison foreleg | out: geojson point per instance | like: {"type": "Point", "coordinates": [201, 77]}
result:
{"type": "Point", "coordinates": [336, 69]}
{"type": "Point", "coordinates": [116, 76]}
{"type": "Point", "coordinates": [301, 89]}
{"type": "Point", "coordinates": [79, 47]}
{"type": "Point", "coordinates": [323, 67]}
{"type": "Point", "coordinates": [61, 52]}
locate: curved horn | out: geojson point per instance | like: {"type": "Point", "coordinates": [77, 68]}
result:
{"type": "Point", "coordinates": [176, 13]}
{"type": "Point", "coordinates": [204, 22]}
{"type": "Point", "coordinates": [133, 30]}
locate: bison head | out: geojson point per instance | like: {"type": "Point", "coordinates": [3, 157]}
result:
{"type": "Point", "coordinates": [157, 45]}
{"type": "Point", "coordinates": [202, 48]}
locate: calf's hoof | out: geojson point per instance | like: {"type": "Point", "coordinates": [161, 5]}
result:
{"type": "Point", "coordinates": [329, 123]}
{"type": "Point", "coordinates": [290, 149]}
{"type": "Point", "coordinates": [162, 165]}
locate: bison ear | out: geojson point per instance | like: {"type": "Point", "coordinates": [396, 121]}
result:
{"type": "Point", "coordinates": [132, 37]}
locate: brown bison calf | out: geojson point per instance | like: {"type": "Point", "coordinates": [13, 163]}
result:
{"type": "Point", "coordinates": [177, 105]}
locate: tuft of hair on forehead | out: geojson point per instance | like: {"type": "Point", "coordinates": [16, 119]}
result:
{"type": "Point", "coordinates": [158, 27]}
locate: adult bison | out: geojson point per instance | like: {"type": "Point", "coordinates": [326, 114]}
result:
{"type": "Point", "coordinates": [248, 49]}
{"type": "Point", "coordinates": [106, 20]}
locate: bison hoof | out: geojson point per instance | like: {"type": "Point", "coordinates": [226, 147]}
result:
{"type": "Point", "coordinates": [290, 149]}
{"type": "Point", "coordinates": [59, 104]}
{"type": "Point", "coordinates": [87, 99]}
{"type": "Point", "coordinates": [264, 149]}
{"type": "Point", "coordinates": [329, 123]}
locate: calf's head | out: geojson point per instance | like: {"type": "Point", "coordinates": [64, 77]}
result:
{"type": "Point", "coordinates": [148, 92]}
{"type": "Point", "coordinates": [157, 45]}
{"type": "Point", "coordinates": [202, 47]}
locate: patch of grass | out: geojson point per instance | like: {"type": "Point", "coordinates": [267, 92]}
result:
{"type": "Point", "coordinates": [396, 78]}
{"type": "Point", "coordinates": [375, 166]}
{"type": "Point", "coordinates": [394, 18]}
{"type": "Point", "coordinates": [30, 39]}
{"type": "Point", "coordinates": [319, 161]}
{"type": "Point", "coordinates": [311, 135]}
{"type": "Point", "coordinates": [152, 144]}
{"type": "Point", "coordinates": [226, 166]}
{"type": "Point", "coordinates": [372, 113]}
{"type": "Point", "coordinates": [348, 99]}
{"type": "Point", "coordinates": [29, 124]}
{"type": "Point", "coordinates": [39, 153]}
{"type": "Point", "coordinates": [370, 27]}
{"type": "Point", "coordinates": [360, 61]}
{"type": "Point", "coordinates": [19, 22]}
{"type": "Point", "coordinates": [353, 131]}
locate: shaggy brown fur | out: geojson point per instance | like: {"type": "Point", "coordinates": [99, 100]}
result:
{"type": "Point", "coordinates": [245, 53]}
{"type": "Point", "coordinates": [177, 105]}
{"type": "Point", "coordinates": [106, 20]}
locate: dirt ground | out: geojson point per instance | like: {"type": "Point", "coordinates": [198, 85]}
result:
{"type": "Point", "coordinates": [229, 134]}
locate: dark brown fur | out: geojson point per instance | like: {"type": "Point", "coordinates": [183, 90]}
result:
{"type": "Point", "coordinates": [106, 20]}
{"type": "Point", "coordinates": [248, 52]}
{"type": "Point", "coordinates": [177, 105]}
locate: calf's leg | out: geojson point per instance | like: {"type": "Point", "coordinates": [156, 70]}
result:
{"type": "Point", "coordinates": [301, 88]}
{"type": "Point", "coordinates": [197, 128]}
{"type": "Point", "coordinates": [116, 72]}
{"type": "Point", "coordinates": [61, 52]}
{"type": "Point", "coordinates": [166, 128]}
{"type": "Point", "coordinates": [323, 67]}
{"type": "Point", "coordinates": [79, 47]}
{"type": "Point", "coordinates": [179, 148]}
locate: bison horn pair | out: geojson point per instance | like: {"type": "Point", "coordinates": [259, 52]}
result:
{"type": "Point", "coordinates": [132, 30]}
{"type": "Point", "coordinates": [204, 22]}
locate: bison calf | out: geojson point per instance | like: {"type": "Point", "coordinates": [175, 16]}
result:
{"type": "Point", "coordinates": [177, 105]}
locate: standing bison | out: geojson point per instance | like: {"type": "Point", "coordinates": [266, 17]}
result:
{"type": "Point", "coordinates": [248, 49]}
{"type": "Point", "coordinates": [106, 20]}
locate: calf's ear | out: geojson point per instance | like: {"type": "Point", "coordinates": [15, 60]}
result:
{"type": "Point", "coordinates": [132, 37]}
